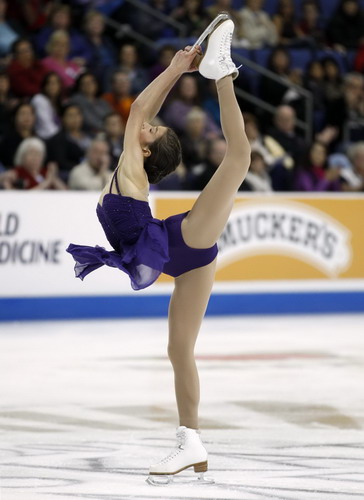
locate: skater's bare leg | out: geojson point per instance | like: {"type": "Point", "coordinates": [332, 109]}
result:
{"type": "Point", "coordinates": [186, 311]}
{"type": "Point", "coordinates": [206, 221]}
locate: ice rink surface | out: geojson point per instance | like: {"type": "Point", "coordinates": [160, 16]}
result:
{"type": "Point", "coordinates": [87, 406]}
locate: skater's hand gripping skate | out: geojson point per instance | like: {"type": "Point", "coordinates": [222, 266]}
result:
{"type": "Point", "coordinates": [198, 57]}
{"type": "Point", "coordinates": [187, 60]}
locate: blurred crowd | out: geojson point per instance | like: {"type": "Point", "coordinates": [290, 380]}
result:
{"type": "Point", "coordinates": [67, 81]}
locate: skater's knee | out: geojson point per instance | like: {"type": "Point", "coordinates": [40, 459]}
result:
{"type": "Point", "coordinates": [240, 161]}
{"type": "Point", "coordinates": [179, 351]}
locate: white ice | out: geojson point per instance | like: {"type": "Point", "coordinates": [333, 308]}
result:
{"type": "Point", "coordinates": [86, 406]}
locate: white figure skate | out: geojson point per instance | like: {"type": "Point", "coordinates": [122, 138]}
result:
{"type": "Point", "coordinates": [190, 452]}
{"type": "Point", "coordinates": [216, 62]}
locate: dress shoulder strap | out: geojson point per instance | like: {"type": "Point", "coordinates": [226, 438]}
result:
{"type": "Point", "coordinates": [114, 178]}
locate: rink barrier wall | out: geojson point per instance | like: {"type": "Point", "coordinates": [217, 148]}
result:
{"type": "Point", "coordinates": [280, 253]}
{"type": "Point", "coordinates": [153, 306]}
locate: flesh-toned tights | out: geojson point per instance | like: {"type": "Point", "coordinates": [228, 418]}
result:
{"type": "Point", "coordinates": [201, 229]}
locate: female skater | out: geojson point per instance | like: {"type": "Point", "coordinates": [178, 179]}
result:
{"type": "Point", "coordinates": [184, 245]}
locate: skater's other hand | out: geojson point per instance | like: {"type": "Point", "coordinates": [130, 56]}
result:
{"type": "Point", "coordinates": [183, 60]}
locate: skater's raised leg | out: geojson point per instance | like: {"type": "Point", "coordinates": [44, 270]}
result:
{"type": "Point", "coordinates": [207, 219]}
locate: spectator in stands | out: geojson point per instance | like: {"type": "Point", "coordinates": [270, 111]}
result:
{"type": "Point", "coordinates": [257, 140]}
{"type": "Point", "coordinates": [8, 34]}
{"type": "Point", "coordinates": [129, 64]}
{"type": "Point", "coordinates": [7, 102]}
{"type": "Point", "coordinates": [280, 163]}
{"type": "Point", "coordinates": [102, 50]}
{"type": "Point", "coordinates": [354, 107]}
{"type": "Point", "coordinates": [313, 174]}
{"type": "Point", "coordinates": [279, 62]}
{"type": "Point", "coordinates": [193, 142]}
{"type": "Point", "coordinates": [30, 172]}
{"type": "Point", "coordinates": [192, 15]}
{"type": "Point", "coordinates": [345, 116]}
{"type": "Point", "coordinates": [186, 97]}
{"type": "Point", "coordinates": [58, 49]}
{"type": "Point", "coordinates": [314, 82]}
{"type": "Point", "coordinates": [31, 15]}
{"type": "Point", "coordinates": [7, 179]}
{"type": "Point", "coordinates": [67, 148]}
{"type": "Point", "coordinates": [346, 27]}
{"type": "Point", "coordinates": [60, 19]}
{"type": "Point", "coordinates": [285, 23]}
{"type": "Point", "coordinates": [47, 106]}
{"type": "Point", "coordinates": [256, 28]}
{"type": "Point", "coordinates": [349, 179]}
{"type": "Point", "coordinates": [356, 156]}
{"type": "Point", "coordinates": [120, 97]}
{"type": "Point", "coordinates": [224, 6]}
{"type": "Point", "coordinates": [284, 132]}
{"type": "Point", "coordinates": [21, 127]}
{"type": "Point", "coordinates": [200, 174]}
{"type": "Point", "coordinates": [175, 181]}
{"type": "Point", "coordinates": [333, 81]}
{"type": "Point", "coordinates": [165, 56]}
{"type": "Point", "coordinates": [257, 178]}
{"type": "Point", "coordinates": [26, 73]}
{"type": "Point", "coordinates": [94, 172]}
{"type": "Point", "coordinates": [114, 136]}
{"type": "Point", "coordinates": [94, 109]}
{"type": "Point", "coordinates": [310, 25]}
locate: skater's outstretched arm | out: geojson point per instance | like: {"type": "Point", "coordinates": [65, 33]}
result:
{"type": "Point", "coordinates": [153, 96]}
{"type": "Point", "coordinates": [144, 108]}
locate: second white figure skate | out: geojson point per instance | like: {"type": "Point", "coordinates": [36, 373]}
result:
{"type": "Point", "coordinates": [189, 452]}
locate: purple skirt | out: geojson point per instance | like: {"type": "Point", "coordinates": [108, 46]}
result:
{"type": "Point", "coordinates": [143, 247]}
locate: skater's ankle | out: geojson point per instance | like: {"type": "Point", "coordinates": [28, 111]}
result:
{"type": "Point", "coordinates": [225, 80]}
{"type": "Point", "coordinates": [185, 424]}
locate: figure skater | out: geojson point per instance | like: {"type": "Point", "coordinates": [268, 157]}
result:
{"type": "Point", "coordinates": [183, 245]}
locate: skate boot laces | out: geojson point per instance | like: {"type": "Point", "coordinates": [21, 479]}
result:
{"type": "Point", "coordinates": [224, 56]}
{"type": "Point", "coordinates": [181, 446]}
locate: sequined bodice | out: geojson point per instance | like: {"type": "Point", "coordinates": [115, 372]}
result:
{"type": "Point", "coordinates": [123, 218]}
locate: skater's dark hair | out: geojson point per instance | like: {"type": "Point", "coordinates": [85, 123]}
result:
{"type": "Point", "coordinates": [166, 155]}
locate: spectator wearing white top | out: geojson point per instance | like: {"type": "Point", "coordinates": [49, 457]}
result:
{"type": "Point", "coordinates": [257, 30]}
{"type": "Point", "coordinates": [94, 172]}
{"type": "Point", "coordinates": [47, 105]}
{"type": "Point", "coordinates": [356, 156]}
{"type": "Point", "coordinates": [257, 179]}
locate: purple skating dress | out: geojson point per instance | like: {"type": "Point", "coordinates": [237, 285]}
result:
{"type": "Point", "coordinates": [144, 247]}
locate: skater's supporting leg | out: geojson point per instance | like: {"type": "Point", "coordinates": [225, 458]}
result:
{"type": "Point", "coordinates": [186, 311]}
{"type": "Point", "coordinates": [206, 221]}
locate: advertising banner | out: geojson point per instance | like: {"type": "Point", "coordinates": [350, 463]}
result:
{"type": "Point", "coordinates": [270, 244]}
{"type": "Point", "coordinates": [289, 237]}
